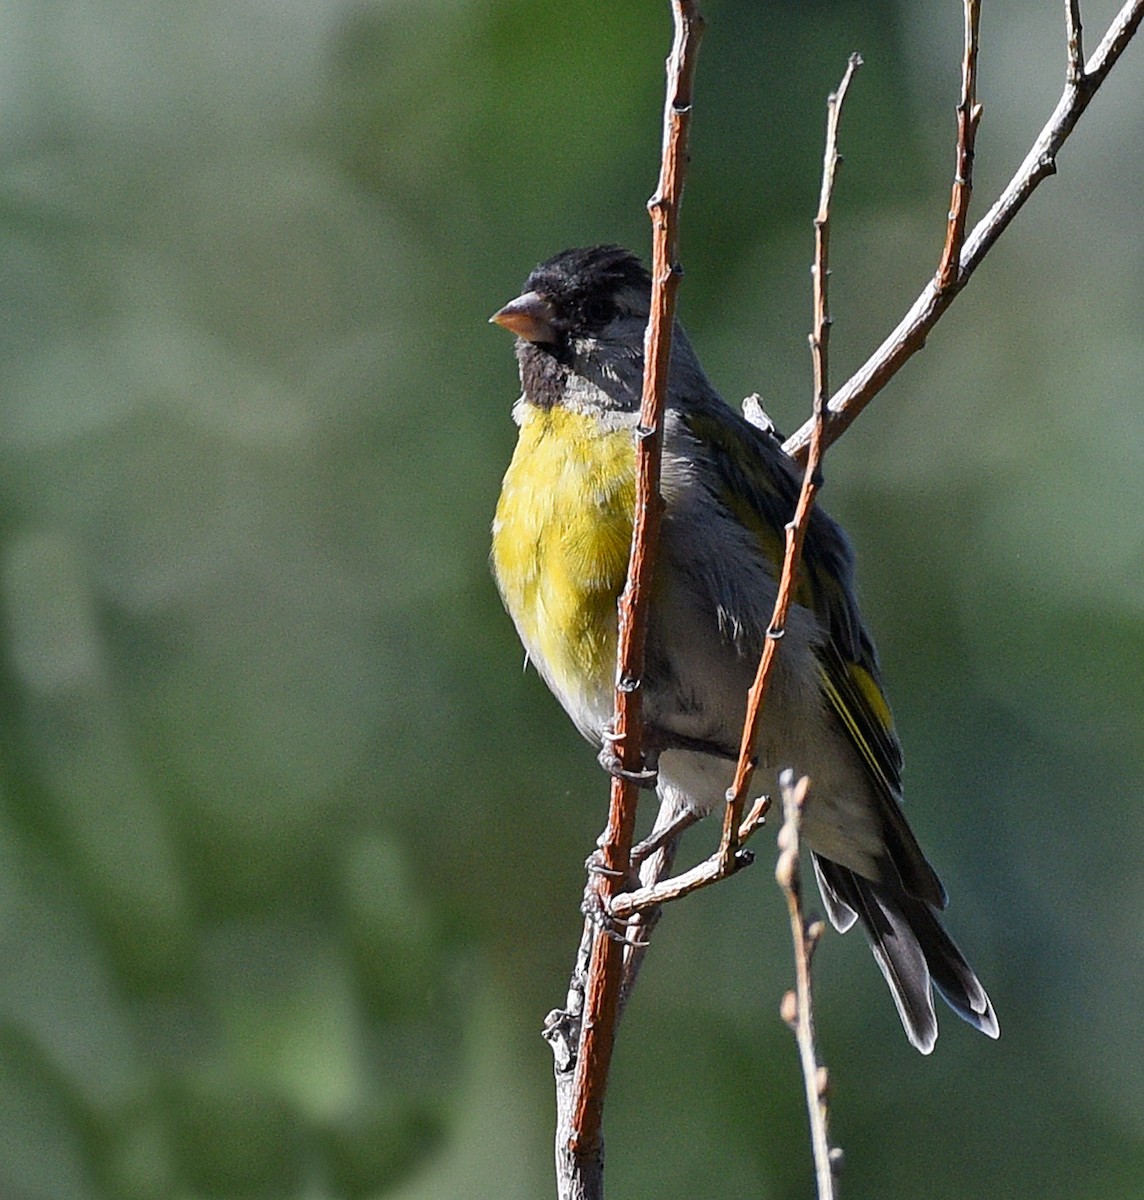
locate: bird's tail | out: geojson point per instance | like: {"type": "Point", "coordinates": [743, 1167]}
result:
{"type": "Point", "coordinates": [911, 947]}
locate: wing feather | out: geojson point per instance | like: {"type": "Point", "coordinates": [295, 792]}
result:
{"type": "Point", "coordinates": [759, 483]}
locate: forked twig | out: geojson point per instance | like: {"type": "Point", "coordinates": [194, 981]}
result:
{"type": "Point", "coordinates": [913, 329]}
{"type": "Point", "coordinates": [709, 871]}
{"type": "Point", "coordinates": [797, 1006]}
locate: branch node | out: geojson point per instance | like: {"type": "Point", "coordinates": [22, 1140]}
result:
{"type": "Point", "coordinates": [561, 1031]}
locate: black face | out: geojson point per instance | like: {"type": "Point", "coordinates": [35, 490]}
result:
{"type": "Point", "coordinates": [583, 292]}
{"type": "Point", "coordinates": [587, 287]}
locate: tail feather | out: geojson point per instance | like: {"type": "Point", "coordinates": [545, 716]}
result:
{"type": "Point", "coordinates": [842, 916]}
{"type": "Point", "coordinates": [913, 950]}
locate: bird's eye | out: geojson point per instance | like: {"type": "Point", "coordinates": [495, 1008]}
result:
{"type": "Point", "coordinates": [597, 312]}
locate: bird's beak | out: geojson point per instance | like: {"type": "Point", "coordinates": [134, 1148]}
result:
{"type": "Point", "coordinates": [529, 316]}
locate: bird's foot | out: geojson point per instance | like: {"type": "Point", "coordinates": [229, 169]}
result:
{"type": "Point", "coordinates": [643, 777]}
{"type": "Point", "coordinates": [596, 905]}
{"type": "Point", "coordinates": [597, 908]}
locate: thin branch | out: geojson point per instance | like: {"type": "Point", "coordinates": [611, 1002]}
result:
{"type": "Point", "coordinates": [912, 331]}
{"type": "Point", "coordinates": [1074, 41]}
{"type": "Point", "coordinates": [579, 1144]}
{"type": "Point", "coordinates": [968, 119]}
{"type": "Point", "coordinates": [797, 1006]}
{"type": "Point", "coordinates": [796, 529]}
{"type": "Point", "coordinates": [820, 271]}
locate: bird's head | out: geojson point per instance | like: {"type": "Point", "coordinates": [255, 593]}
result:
{"type": "Point", "coordinates": [581, 317]}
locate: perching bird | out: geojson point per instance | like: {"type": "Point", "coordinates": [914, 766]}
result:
{"type": "Point", "coordinates": [561, 539]}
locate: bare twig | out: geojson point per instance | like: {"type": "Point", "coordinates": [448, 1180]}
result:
{"type": "Point", "coordinates": [796, 529]}
{"type": "Point", "coordinates": [797, 1007]}
{"type": "Point", "coordinates": [1074, 41]}
{"type": "Point", "coordinates": [820, 271]}
{"type": "Point", "coordinates": [968, 118]}
{"type": "Point", "coordinates": [579, 1145]}
{"type": "Point", "coordinates": [912, 331]}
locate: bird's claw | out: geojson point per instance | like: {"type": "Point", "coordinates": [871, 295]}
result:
{"type": "Point", "coordinates": [596, 903]}
{"type": "Point", "coordinates": [644, 777]}
{"type": "Point", "coordinates": [595, 908]}
{"type": "Point", "coordinates": [596, 867]}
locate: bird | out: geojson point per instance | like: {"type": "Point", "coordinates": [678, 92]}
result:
{"type": "Point", "coordinates": [561, 538]}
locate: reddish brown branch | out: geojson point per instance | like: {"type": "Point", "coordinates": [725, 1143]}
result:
{"type": "Point", "coordinates": [912, 331]}
{"type": "Point", "coordinates": [579, 1154]}
{"type": "Point", "coordinates": [968, 118]}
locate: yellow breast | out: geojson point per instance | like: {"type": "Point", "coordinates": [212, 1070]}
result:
{"type": "Point", "coordinates": [561, 539]}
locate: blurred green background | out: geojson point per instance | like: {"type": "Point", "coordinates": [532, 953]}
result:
{"type": "Point", "coordinates": [290, 850]}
